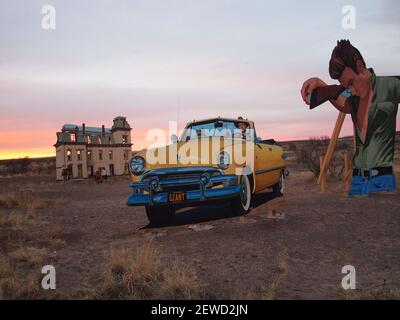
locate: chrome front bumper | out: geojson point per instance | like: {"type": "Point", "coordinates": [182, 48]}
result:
{"type": "Point", "coordinates": [201, 184]}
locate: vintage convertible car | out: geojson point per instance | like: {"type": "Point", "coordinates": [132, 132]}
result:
{"type": "Point", "coordinates": [217, 159]}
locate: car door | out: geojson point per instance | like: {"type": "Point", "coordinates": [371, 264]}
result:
{"type": "Point", "coordinates": [266, 174]}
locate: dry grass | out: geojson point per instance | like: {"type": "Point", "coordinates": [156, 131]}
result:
{"type": "Point", "coordinates": [56, 230]}
{"type": "Point", "coordinates": [21, 199]}
{"type": "Point", "coordinates": [55, 233]}
{"type": "Point", "coordinates": [13, 226]}
{"type": "Point", "coordinates": [17, 224]}
{"type": "Point", "coordinates": [55, 244]}
{"type": "Point", "coordinates": [379, 293]}
{"type": "Point", "coordinates": [31, 214]}
{"type": "Point", "coordinates": [5, 267]}
{"type": "Point", "coordinates": [14, 219]}
{"type": "Point", "coordinates": [20, 264]}
{"type": "Point", "coordinates": [142, 276]}
{"type": "Point", "coordinates": [20, 273]}
{"type": "Point", "coordinates": [60, 200]}
{"type": "Point", "coordinates": [9, 200]}
{"type": "Point", "coordinates": [13, 286]}
{"type": "Point", "coordinates": [266, 291]}
{"type": "Point", "coordinates": [28, 255]}
{"type": "Point", "coordinates": [276, 278]}
{"type": "Point", "coordinates": [180, 283]}
{"type": "Point", "coordinates": [129, 276]}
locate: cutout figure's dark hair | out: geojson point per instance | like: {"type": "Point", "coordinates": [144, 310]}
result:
{"type": "Point", "coordinates": [344, 55]}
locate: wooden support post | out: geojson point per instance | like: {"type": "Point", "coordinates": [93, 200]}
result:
{"type": "Point", "coordinates": [348, 170]}
{"type": "Point", "coordinates": [332, 146]}
{"type": "Point", "coordinates": [323, 181]}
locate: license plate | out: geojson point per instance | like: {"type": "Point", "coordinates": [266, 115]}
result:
{"type": "Point", "coordinates": [176, 196]}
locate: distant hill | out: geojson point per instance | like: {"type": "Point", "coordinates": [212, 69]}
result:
{"type": "Point", "coordinates": [31, 165]}
{"type": "Point", "coordinates": [42, 159]}
{"type": "Point", "coordinates": [342, 139]}
{"type": "Point", "coordinates": [343, 142]}
{"type": "Point", "coordinates": [292, 148]}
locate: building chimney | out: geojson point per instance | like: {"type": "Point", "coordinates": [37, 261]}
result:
{"type": "Point", "coordinates": [103, 130]}
{"type": "Point", "coordinates": [83, 129]}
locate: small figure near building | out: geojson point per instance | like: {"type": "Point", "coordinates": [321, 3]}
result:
{"type": "Point", "coordinates": [104, 174]}
{"type": "Point", "coordinates": [97, 176]}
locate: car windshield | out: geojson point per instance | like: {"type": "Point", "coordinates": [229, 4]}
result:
{"type": "Point", "coordinates": [216, 128]}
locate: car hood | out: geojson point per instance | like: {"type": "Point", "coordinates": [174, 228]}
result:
{"type": "Point", "coordinates": [195, 152]}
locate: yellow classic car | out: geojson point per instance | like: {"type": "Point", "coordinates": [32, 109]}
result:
{"type": "Point", "coordinates": [218, 159]}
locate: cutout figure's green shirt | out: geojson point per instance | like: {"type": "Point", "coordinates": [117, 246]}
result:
{"type": "Point", "coordinates": [378, 148]}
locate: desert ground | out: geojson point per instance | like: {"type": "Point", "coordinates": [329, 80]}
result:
{"type": "Point", "coordinates": [103, 249]}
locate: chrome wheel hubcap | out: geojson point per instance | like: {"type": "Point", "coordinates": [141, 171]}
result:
{"type": "Point", "coordinates": [281, 184]}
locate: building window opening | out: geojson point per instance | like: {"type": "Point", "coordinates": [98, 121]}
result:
{"type": "Point", "coordinates": [72, 137]}
{"type": "Point", "coordinates": [78, 153]}
{"type": "Point", "coordinates": [69, 155]}
{"type": "Point", "coordinates": [110, 155]}
{"type": "Point", "coordinates": [100, 155]}
{"type": "Point", "coordinates": [89, 139]}
{"type": "Point", "coordinates": [98, 139]}
{"type": "Point", "coordinates": [124, 139]}
{"type": "Point", "coordinates": [89, 155]}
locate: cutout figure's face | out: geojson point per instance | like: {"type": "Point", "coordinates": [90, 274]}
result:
{"type": "Point", "coordinates": [358, 83]}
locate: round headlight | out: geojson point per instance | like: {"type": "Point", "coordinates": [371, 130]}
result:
{"type": "Point", "coordinates": [137, 165]}
{"type": "Point", "coordinates": [224, 160]}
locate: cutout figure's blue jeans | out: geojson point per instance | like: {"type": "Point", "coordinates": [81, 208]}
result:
{"type": "Point", "coordinates": [360, 185]}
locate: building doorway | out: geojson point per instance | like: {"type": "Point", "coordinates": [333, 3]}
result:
{"type": "Point", "coordinates": [80, 173]}
{"type": "Point", "coordinates": [91, 170]}
{"type": "Point", "coordinates": [126, 170]}
{"type": "Point", "coordinates": [111, 169]}
{"type": "Point", "coordinates": [69, 171]}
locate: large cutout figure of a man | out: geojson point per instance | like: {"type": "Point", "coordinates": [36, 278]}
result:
{"type": "Point", "coordinates": [372, 102]}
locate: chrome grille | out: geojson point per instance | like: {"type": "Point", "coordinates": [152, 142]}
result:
{"type": "Point", "coordinates": [186, 175]}
{"type": "Point", "coordinates": [189, 180]}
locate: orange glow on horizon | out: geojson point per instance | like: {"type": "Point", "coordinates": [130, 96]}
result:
{"type": "Point", "coordinates": [50, 151]}
{"type": "Point", "coordinates": [39, 143]}
{"type": "Point", "coordinates": [31, 153]}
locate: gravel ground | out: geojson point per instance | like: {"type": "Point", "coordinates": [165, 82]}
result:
{"type": "Point", "coordinates": [297, 257]}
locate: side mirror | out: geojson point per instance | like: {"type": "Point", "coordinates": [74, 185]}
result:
{"type": "Point", "coordinates": [174, 138]}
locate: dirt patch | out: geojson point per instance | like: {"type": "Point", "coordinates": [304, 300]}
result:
{"type": "Point", "coordinates": [298, 257]}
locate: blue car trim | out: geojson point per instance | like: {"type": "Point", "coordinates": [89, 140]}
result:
{"type": "Point", "coordinates": [192, 196]}
{"type": "Point", "coordinates": [204, 192]}
{"type": "Point", "coordinates": [184, 182]}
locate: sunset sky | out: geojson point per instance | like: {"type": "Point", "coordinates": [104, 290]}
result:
{"type": "Point", "coordinates": [155, 61]}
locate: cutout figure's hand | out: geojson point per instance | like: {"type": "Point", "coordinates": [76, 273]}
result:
{"type": "Point", "coordinates": [309, 86]}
